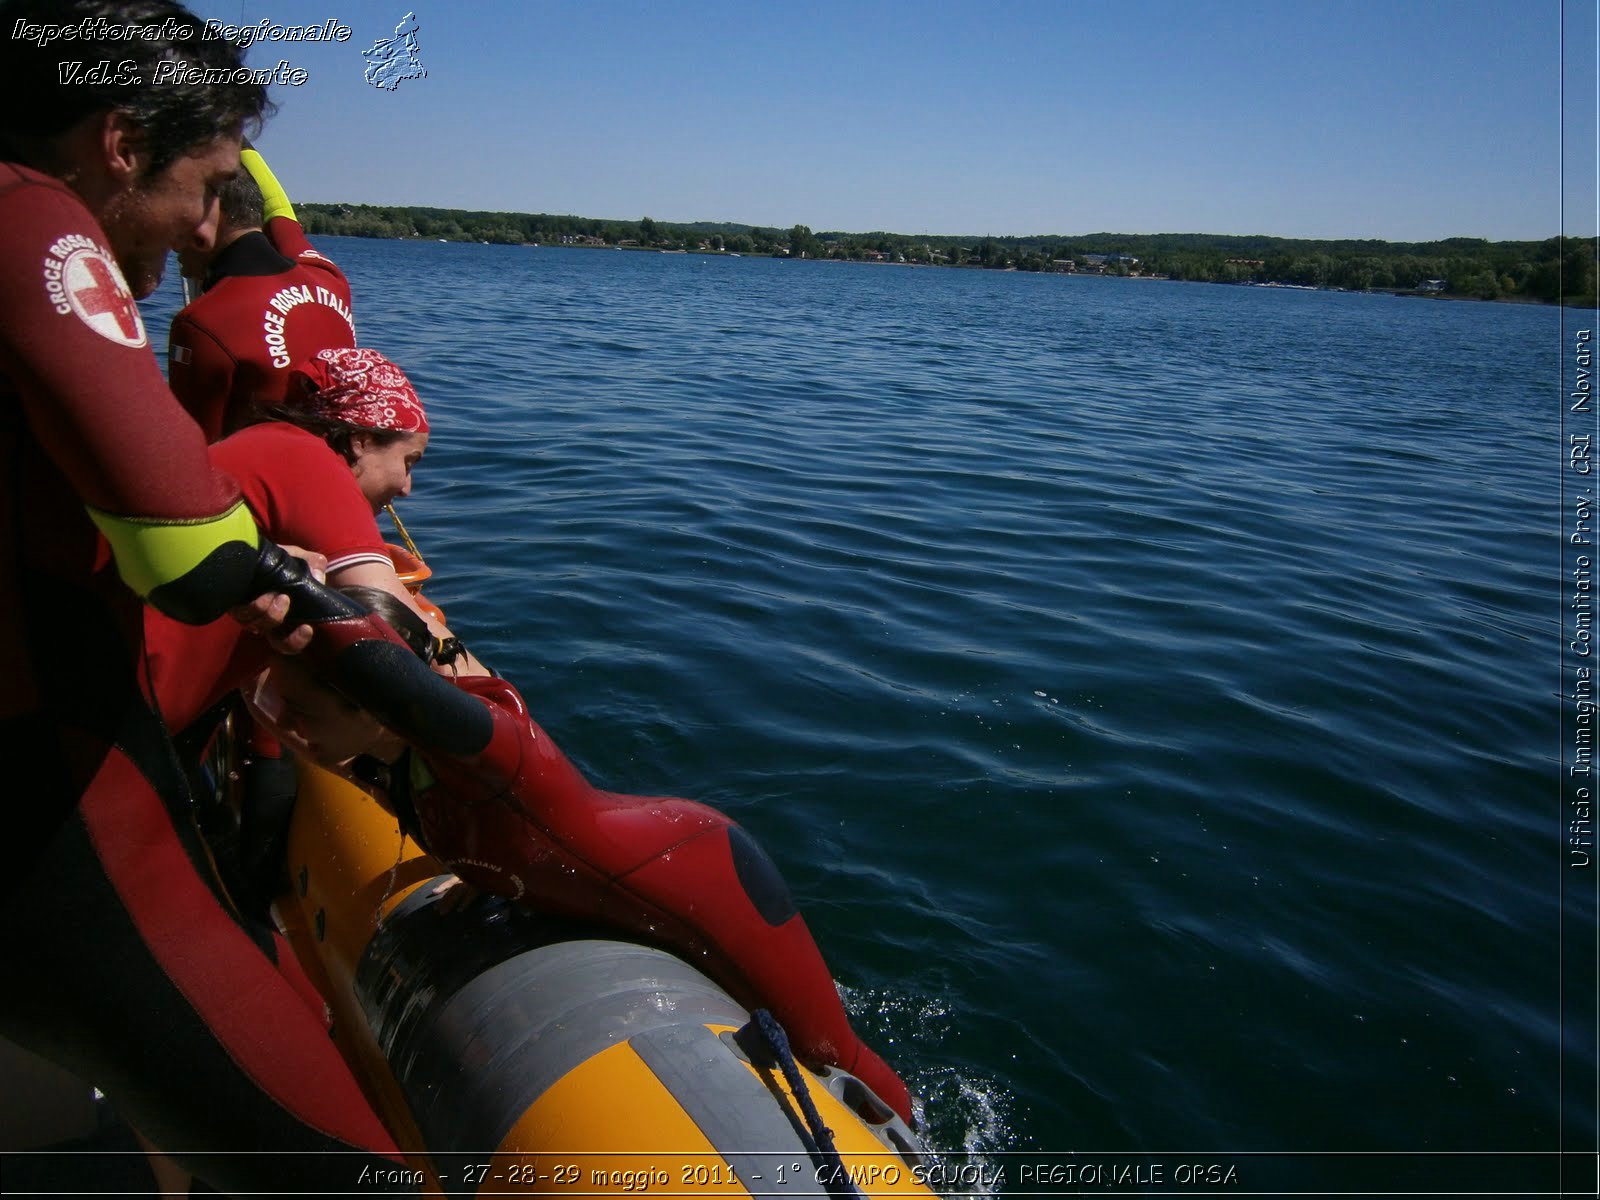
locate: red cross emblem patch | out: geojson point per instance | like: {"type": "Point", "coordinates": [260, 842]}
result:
{"type": "Point", "coordinates": [99, 295]}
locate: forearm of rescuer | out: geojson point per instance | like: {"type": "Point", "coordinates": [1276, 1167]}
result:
{"type": "Point", "coordinates": [383, 577]}
{"type": "Point", "coordinates": [267, 615]}
{"type": "Point", "coordinates": [362, 658]}
{"type": "Point", "coordinates": [195, 571]}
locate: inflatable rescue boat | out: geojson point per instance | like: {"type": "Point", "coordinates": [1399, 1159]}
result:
{"type": "Point", "coordinates": [515, 1052]}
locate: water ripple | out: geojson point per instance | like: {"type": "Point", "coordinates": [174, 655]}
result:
{"type": "Point", "coordinates": [1131, 678]}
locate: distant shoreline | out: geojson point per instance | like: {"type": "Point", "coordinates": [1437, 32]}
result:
{"type": "Point", "coordinates": [1403, 294]}
{"type": "Point", "coordinates": [1556, 270]}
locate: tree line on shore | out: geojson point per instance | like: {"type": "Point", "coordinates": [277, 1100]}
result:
{"type": "Point", "coordinates": [1554, 270]}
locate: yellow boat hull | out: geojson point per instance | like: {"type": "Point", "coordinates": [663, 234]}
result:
{"type": "Point", "coordinates": [513, 1052]}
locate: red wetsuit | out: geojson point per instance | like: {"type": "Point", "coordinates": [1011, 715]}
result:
{"type": "Point", "coordinates": [519, 820]}
{"type": "Point", "coordinates": [120, 963]}
{"type": "Point", "coordinates": [270, 302]}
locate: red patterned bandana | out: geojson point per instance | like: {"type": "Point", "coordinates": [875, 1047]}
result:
{"type": "Point", "coordinates": [357, 387]}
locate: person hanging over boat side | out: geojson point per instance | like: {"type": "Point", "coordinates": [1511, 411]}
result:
{"type": "Point", "coordinates": [366, 410]}
{"type": "Point", "coordinates": [346, 403]}
{"type": "Point", "coordinates": [269, 301]}
{"type": "Point", "coordinates": [510, 814]}
{"type": "Point", "coordinates": [341, 447]}
{"type": "Point", "coordinates": [356, 428]}
{"type": "Point", "coordinates": [121, 966]}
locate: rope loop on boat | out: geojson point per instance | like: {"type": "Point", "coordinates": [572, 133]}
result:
{"type": "Point", "coordinates": [838, 1181]}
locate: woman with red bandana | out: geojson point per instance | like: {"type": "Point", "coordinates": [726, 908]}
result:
{"type": "Point", "coordinates": [340, 449]}
{"type": "Point", "coordinates": [365, 408]}
{"type": "Point", "coordinates": [315, 475]}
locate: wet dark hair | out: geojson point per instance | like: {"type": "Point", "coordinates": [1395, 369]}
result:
{"type": "Point", "coordinates": [412, 629]}
{"type": "Point", "coordinates": [40, 99]}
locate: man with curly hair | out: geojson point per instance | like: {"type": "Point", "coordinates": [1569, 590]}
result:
{"type": "Point", "coordinates": [123, 965]}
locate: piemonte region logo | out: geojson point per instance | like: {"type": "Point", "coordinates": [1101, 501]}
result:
{"type": "Point", "coordinates": [396, 58]}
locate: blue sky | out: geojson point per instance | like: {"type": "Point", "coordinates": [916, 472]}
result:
{"type": "Point", "coordinates": [1399, 120]}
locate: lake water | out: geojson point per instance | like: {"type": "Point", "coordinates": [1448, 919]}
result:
{"type": "Point", "coordinates": [1149, 689]}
